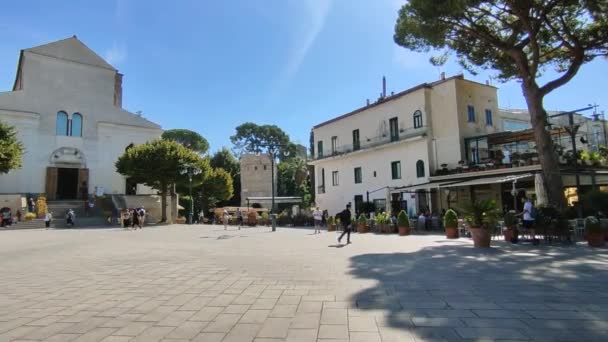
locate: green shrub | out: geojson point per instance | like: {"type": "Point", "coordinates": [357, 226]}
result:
{"type": "Point", "coordinates": [593, 226]}
{"type": "Point", "coordinates": [403, 220]}
{"type": "Point", "coordinates": [450, 219]}
{"type": "Point", "coordinates": [383, 218]}
{"type": "Point", "coordinates": [362, 220]}
{"type": "Point", "coordinates": [264, 216]}
{"type": "Point", "coordinates": [509, 219]}
{"type": "Point", "coordinates": [481, 214]}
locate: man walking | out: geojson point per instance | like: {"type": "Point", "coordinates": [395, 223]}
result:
{"type": "Point", "coordinates": [318, 217]}
{"type": "Point", "coordinates": [345, 219]}
{"type": "Point", "coordinates": [239, 217]}
{"type": "Point", "coordinates": [528, 219]}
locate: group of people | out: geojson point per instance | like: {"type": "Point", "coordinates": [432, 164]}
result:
{"type": "Point", "coordinates": [226, 218]}
{"type": "Point", "coordinates": [134, 218]}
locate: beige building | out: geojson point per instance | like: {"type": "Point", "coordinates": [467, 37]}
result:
{"type": "Point", "coordinates": [256, 177]}
{"type": "Point", "coordinates": [66, 104]}
{"type": "Point", "coordinates": [398, 142]}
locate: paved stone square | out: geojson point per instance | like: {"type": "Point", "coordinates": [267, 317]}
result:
{"type": "Point", "coordinates": [202, 283]}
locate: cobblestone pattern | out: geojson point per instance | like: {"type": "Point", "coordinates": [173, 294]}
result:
{"type": "Point", "coordinates": [202, 283]}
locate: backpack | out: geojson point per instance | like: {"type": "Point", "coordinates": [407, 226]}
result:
{"type": "Point", "coordinates": [533, 213]}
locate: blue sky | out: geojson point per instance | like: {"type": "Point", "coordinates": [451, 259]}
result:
{"type": "Point", "coordinates": [211, 65]}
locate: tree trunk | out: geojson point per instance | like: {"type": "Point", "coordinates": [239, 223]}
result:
{"type": "Point", "coordinates": [163, 202]}
{"type": "Point", "coordinates": [544, 145]}
{"type": "Point", "coordinates": [173, 205]}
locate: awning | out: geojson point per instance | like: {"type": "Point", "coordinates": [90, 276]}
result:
{"type": "Point", "coordinates": [490, 180]}
{"type": "Point", "coordinates": [423, 186]}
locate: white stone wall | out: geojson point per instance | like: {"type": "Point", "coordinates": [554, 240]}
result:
{"type": "Point", "coordinates": [50, 85]}
{"type": "Point", "coordinates": [376, 160]}
{"type": "Point", "coordinates": [256, 177]}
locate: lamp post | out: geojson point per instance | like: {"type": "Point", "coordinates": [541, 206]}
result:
{"type": "Point", "coordinates": [273, 151]}
{"type": "Point", "coordinates": [572, 129]}
{"type": "Point", "coordinates": [596, 117]}
{"type": "Point", "coordinates": [191, 171]}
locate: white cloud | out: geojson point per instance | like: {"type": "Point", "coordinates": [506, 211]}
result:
{"type": "Point", "coordinates": [315, 15]}
{"type": "Point", "coordinates": [117, 54]}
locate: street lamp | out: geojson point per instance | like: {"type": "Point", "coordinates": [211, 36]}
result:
{"type": "Point", "coordinates": [596, 117]}
{"type": "Point", "coordinates": [273, 151]}
{"type": "Point", "coordinates": [572, 129]}
{"type": "Point", "coordinates": [191, 171]}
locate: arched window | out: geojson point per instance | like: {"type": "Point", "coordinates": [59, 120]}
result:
{"type": "Point", "coordinates": [420, 169]}
{"type": "Point", "coordinates": [76, 127]}
{"type": "Point", "coordinates": [61, 124]}
{"type": "Point", "coordinates": [417, 119]}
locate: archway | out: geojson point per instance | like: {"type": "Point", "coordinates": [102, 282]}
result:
{"type": "Point", "coordinates": [67, 177]}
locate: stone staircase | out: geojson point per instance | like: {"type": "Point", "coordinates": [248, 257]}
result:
{"type": "Point", "coordinates": [26, 224]}
{"type": "Point", "coordinates": [59, 208]}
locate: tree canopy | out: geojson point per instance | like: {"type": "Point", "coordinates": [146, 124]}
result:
{"type": "Point", "coordinates": [216, 188]}
{"type": "Point", "coordinates": [253, 138]}
{"type": "Point", "coordinates": [293, 180]}
{"type": "Point", "coordinates": [518, 39]}
{"type": "Point", "coordinates": [158, 164]}
{"type": "Point", "coordinates": [11, 149]}
{"type": "Point", "coordinates": [224, 159]}
{"type": "Point", "coordinates": [187, 138]}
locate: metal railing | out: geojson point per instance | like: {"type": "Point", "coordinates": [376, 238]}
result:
{"type": "Point", "coordinates": [367, 143]}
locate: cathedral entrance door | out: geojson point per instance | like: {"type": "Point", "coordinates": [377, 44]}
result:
{"type": "Point", "coordinates": [67, 183]}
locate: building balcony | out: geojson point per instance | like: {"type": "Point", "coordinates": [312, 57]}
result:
{"type": "Point", "coordinates": [374, 142]}
{"type": "Point", "coordinates": [515, 151]}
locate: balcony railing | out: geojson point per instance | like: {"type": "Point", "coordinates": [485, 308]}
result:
{"type": "Point", "coordinates": [368, 143]}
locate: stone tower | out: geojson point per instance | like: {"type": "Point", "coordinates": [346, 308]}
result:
{"type": "Point", "coordinates": [256, 178]}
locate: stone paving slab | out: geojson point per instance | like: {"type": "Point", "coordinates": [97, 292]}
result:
{"type": "Point", "coordinates": [201, 283]}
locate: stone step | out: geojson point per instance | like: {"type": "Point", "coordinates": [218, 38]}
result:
{"type": "Point", "coordinates": [81, 222]}
{"type": "Point", "coordinates": [27, 224]}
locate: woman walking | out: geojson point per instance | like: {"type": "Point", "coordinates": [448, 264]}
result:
{"type": "Point", "coordinates": [225, 219]}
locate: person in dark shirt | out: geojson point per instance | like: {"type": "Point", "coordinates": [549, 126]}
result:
{"type": "Point", "coordinates": [345, 219]}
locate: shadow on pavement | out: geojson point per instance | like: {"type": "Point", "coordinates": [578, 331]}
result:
{"type": "Point", "coordinates": [456, 292]}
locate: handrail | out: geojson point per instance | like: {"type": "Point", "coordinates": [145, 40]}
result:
{"type": "Point", "coordinates": [376, 141]}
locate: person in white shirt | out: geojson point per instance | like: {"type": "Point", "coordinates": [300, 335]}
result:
{"type": "Point", "coordinates": [528, 219]}
{"type": "Point", "coordinates": [47, 219]}
{"type": "Point", "coordinates": [318, 217]}
{"type": "Point", "coordinates": [226, 218]}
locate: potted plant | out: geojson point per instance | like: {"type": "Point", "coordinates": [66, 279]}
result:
{"type": "Point", "coordinates": [481, 215]}
{"type": "Point", "coordinates": [450, 223]}
{"type": "Point", "coordinates": [362, 224]}
{"type": "Point", "coordinates": [252, 218]}
{"type": "Point", "coordinates": [404, 223]}
{"type": "Point", "coordinates": [264, 218]}
{"type": "Point", "coordinates": [595, 233]}
{"type": "Point", "coordinates": [331, 224]}
{"type": "Point", "coordinates": [381, 222]}
{"type": "Point", "coordinates": [510, 233]}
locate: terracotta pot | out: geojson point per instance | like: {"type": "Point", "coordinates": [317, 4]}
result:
{"type": "Point", "coordinates": [596, 239]}
{"type": "Point", "coordinates": [451, 232]}
{"type": "Point", "coordinates": [331, 227]}
{"type": "Point", "coordinates": [361, 228]}
{"type": "Point", "coordinates": [403, 231]}
{"type": "Point", "coordinates": [481, 237]}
